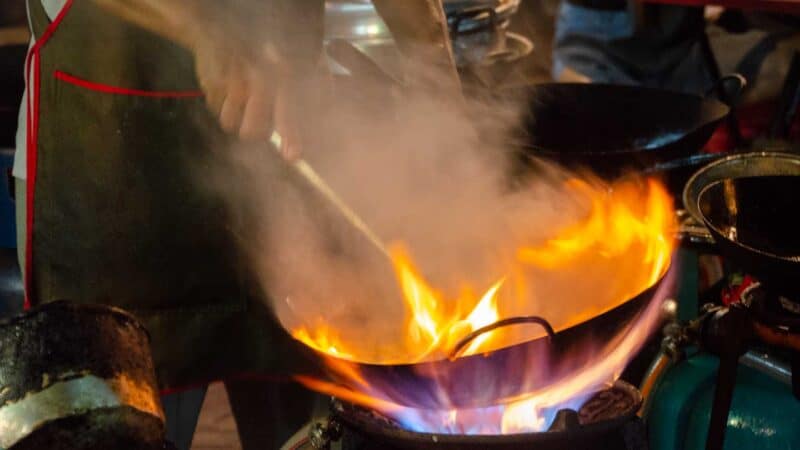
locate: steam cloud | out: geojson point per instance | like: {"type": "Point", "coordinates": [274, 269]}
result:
{"type": "Point", "coordinates": [430, 171]}
{"type": "Point", "coordinates": [425, 171]}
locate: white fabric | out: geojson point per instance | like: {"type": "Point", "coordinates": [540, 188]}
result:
{"type": "Point", "coordinates": [52, 8]}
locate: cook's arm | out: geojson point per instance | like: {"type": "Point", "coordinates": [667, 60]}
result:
{"type": "Point", "coordinates": [240, 48]}
{"type": "Point", "coordinates": [173, 19]}
{"type": "Point", "coordinates": [421, 33]}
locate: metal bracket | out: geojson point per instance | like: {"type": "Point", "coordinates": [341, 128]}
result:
{"type": "Point", "coordinates": [322, 435]}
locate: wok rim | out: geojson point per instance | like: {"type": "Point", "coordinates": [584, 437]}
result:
{"type": "Point", "coordinates": [719, 112]}
{"type": "Point", "coordinates": [718, 233]}
{"type": "Point", "coordinates": [647, 292]}
{"type": "Point", "coordinates": [693, 190]}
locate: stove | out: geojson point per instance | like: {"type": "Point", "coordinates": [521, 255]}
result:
{"type": "Point", "coordinates": [748, 337]}
{"type": "Point", "coordinates": [608, 420]}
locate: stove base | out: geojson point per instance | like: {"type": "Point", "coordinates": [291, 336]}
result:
{"type": "Point", "coordinates": [630, 437]}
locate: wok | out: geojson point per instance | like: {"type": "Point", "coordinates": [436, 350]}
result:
{"type": "Point", "coordinates": [737, 166]}
{"type": "Point", "coordinates": [612, 129]}
{"type": "Point", "coordinates": [749, 203]}
{"type": "Point", "coordinates": [468, 382]}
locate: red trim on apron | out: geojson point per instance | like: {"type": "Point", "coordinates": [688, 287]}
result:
{"type": "Point", "coordinates": [107, 89]}
{"type": "Point", "coordinates": [32, 131]}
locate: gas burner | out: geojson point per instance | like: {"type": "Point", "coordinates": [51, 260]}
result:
{"type": "Point", "coordinates": [609, 404]}
{"type": "Point", "coordinates": [754, 314]}
{"type": "Point", "coordinates": [606, 421]}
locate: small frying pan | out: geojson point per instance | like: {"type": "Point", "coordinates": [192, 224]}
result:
{"type": "Point", "coordinates": [749, 203]}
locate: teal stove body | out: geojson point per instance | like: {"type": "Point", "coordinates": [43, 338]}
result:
{"type": "Point", "coordinates": [764, 414]}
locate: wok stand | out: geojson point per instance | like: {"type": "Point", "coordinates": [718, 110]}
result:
{"type": "Point", "coordinates": [727, 333]}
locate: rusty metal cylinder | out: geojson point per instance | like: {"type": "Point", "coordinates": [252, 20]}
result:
{"type": "Point", "coordinates": [78, 377]}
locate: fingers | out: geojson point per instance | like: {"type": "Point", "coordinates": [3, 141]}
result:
{"type": "Point", "coordinates": [286, 125]}
{"type": "Point", "coordinates": [232, 110]}
{"type": "Point", "coordinates": [256, 120]}
{"type": "Point", "coordinates": [212, 66]}
{"type": "Point", "coordinates": [244, 103]}
{"type": "Point", "coordinates": [241, 94]}
{"type": "Point", "coordinates": [243, 100]}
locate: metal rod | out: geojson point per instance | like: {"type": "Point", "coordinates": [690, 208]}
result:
{"type": "Point", "coordinates": [796, 374]}
{"type": "Point", "coordinates": [500, 324]}
{"type": "Point", "coordinates": [323, 188]}
{"type": "Point", "coordinates": [723, 396]}
{"type": "Point", "coordinates": [308, 172]}
{"type": "Point", "coordinates": [651, 379]}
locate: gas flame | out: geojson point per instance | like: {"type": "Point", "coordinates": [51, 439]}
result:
{"type": "Point", "coordinates": [614, 225]}
{"type": "Point", "coordinates": [434, 325]}
{"type": "Point", "coordinates": [621, 248]}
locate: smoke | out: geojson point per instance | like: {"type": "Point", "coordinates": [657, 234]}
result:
{"type": "Point", "coordinates": [437, 173]}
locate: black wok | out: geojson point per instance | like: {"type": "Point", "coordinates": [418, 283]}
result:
{"type": "Point", "coordinates": [753, 223]}
{"type": "Point", "coordinates": [748, 203]}
{"type": "Point", "coordinates": [480, 380]}
{"type": "Point", "coordinates": [742, 165]}
{"type": "Point", "coordinates": [611, 129]}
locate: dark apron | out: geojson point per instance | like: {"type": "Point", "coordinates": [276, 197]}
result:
{"type": "Point", "coordinates": [121, 214]}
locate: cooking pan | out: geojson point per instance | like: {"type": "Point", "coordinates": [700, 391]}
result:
{"type": "Point", "coordinates": [748, 204]}
{"type": "Point", "coordinates": [473, 381]}
{"type": "Point", "coordinates": [742, 165]}
{"type": "Point", "coordinates": [612, 129]}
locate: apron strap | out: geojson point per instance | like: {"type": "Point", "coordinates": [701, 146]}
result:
{"type": "Point", "coordinates": [39, 20]}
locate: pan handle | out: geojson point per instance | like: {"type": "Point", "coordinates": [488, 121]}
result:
{"type": "Point", "coordinates": [731, 98]}
{"type": "Point", "coordinates": [500, 324]}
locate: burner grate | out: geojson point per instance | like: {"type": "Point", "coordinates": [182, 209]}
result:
{"type": "Point", "coordinates": [607, 421]}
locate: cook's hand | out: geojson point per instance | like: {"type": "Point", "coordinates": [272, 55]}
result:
{"type": "Point", "coordinates": [286, 126]}
{"type": "Point", "coordinates": [240, 87]}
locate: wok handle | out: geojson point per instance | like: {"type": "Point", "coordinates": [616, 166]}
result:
{"type": "Point", "coordinates": [501, 324]}
{"type": "Point", "coordinates": [691, 232]}
{"type": "Point", "coordinates": [718, 88]}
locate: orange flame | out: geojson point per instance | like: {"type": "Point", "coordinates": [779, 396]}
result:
{"type": "Point", "coordinates": [622, 247]}
{"type": "Point", "coordinates": [433, 325]}
{"type": "Point", "coordinates": [617, 222]}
